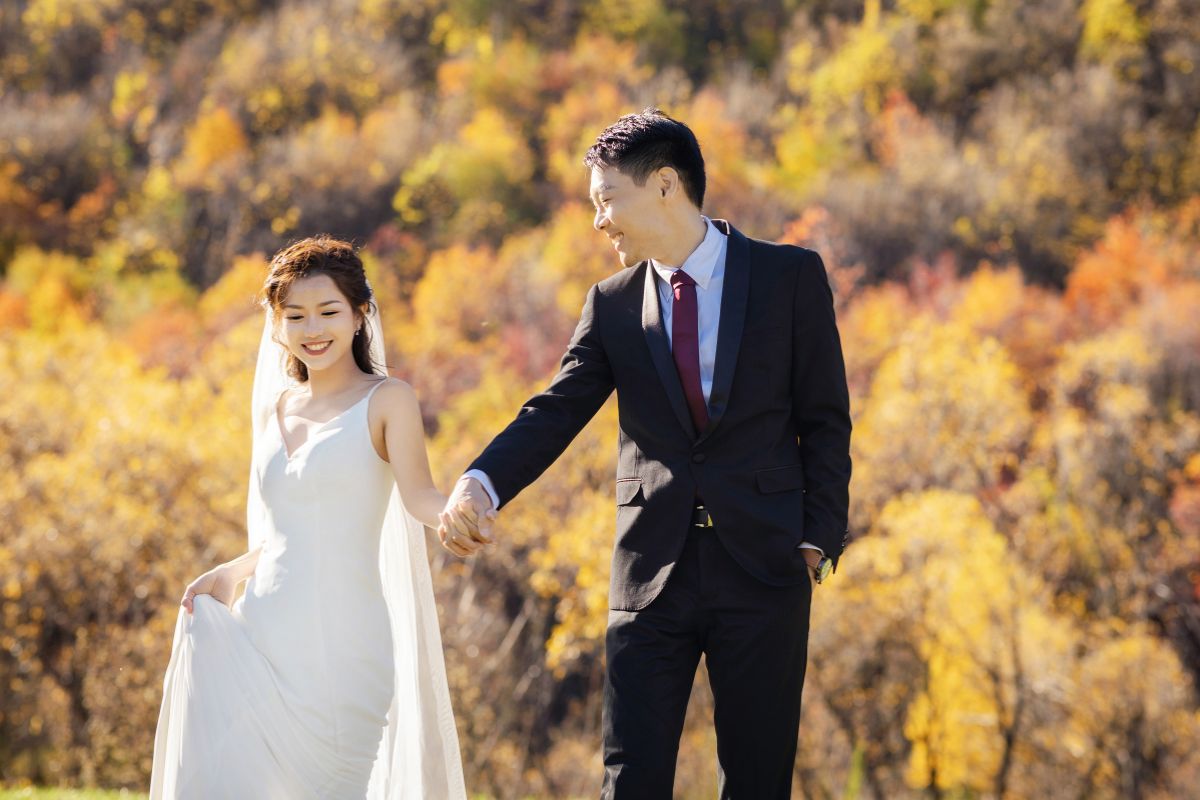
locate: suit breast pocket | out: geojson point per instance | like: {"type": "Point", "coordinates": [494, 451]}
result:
{"type": "Point", "coordinates": [767, 348]}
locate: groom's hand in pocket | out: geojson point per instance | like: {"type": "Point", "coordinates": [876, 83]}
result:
{"type": "Point", "coordinates": [466, 522]}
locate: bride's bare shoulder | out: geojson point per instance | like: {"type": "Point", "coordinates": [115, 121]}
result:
{"type": "Point", "coordinates": [393, 386]}
{"type": "Point", "coordinates": [395, 396]}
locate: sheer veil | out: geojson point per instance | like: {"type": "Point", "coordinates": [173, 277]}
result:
{"type": "Point", "coordinates": [419, 754]}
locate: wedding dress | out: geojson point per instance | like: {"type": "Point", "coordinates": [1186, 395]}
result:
{"type": "Point", "coordinates": [326, 678]}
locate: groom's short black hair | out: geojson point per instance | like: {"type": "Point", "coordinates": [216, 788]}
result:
{"type": "Point", "coordinates": [638, 144]}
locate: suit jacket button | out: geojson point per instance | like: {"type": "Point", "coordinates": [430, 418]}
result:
{"type": "Point", "coordinates": [698, 458]}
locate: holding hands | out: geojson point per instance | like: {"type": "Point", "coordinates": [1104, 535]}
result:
{"type": "Point", "coordinates": [466, 522]}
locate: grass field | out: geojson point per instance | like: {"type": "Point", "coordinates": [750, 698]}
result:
{"type": "Point", "coordinates": [90, 794]}
{"type": "Point", "coordinates": [87, 794]}
{"type": "Point", "coordinates": [68, 794]}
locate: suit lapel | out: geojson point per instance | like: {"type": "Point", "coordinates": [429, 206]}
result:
{"type": "Point", "coordinates": [734, 294]}
{"type": "Point", "coordinates": [660, 349]}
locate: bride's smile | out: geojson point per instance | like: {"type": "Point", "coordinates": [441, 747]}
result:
{"type": "Point", "coordinates": [318, 326]}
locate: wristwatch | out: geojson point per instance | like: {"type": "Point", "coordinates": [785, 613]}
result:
{"type": "Point", "coordinates": [823, 568]}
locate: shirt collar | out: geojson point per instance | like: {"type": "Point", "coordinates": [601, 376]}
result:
{"type": "Point", "coordinates": [701, 264]}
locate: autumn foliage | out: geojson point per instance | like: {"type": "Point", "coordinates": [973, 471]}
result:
{"type": "Point", "coordinates": [1007, 196]}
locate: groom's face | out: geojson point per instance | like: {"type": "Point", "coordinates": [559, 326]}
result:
{"type": "Point", "coordinates": [631, 216]}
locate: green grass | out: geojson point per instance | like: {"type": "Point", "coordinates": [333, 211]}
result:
{"type": "Point", "coordinates": [69, 794]}
{"type": "Point", "coordinates": [89, 794]}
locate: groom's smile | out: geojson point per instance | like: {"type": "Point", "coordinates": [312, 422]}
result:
{"type": "Point", "coordinates": [646, 217]}
{"type": "Point", "coordinates": [623, 208]}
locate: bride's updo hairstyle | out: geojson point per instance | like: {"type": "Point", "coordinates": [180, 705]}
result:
{"type": "Point", "coordinates": [319, 255]}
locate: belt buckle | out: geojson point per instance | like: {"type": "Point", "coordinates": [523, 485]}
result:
{"type": "Point", "coordinates": [703, 512]}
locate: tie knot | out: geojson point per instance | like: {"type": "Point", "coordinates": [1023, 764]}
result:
{"type": "Point", "coordinates": [681, 278]}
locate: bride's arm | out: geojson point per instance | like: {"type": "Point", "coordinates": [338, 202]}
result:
{"type": "Point", "coordinates": [242, 567]}
{"type": "Point", "coordinates": [404, 435]}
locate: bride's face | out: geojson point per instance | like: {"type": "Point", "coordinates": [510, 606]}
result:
{"type": "Point", "coordinates": [318, 322]}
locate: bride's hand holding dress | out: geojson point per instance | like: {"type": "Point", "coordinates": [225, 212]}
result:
{"type": "Point", "coordinates": [221, 581]}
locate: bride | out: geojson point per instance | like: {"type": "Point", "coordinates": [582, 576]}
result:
{"type": "Point", "coordinates": [326, 678]}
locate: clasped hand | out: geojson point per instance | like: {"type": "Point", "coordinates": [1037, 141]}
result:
{"type": "Point", "coordinates": [466, 522]}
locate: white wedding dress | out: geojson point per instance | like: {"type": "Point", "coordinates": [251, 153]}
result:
{"type": "Point", "coordinates": [302, 689]}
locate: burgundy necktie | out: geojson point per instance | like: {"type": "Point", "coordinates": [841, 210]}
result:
{"type": "Point", "coordinates": [685, 345]}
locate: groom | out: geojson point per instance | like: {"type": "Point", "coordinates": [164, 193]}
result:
{"type": "Point", "coordinates": [733, 466]}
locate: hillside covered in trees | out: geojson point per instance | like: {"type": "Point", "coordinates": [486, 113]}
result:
{"type": "Point", "coordinates": [1007, 195]}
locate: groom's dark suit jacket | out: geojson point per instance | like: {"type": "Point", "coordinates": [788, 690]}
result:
{"type": "Point", "coordinates": [773, 465]}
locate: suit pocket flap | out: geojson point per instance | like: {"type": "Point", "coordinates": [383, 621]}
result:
{"type": "Point", "coordinates": [780, 479]}
{"type": "Point", "coordinates": [627, 489]}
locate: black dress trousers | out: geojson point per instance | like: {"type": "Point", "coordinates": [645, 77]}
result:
{"type": "Point", "coordinates": [754, 638]}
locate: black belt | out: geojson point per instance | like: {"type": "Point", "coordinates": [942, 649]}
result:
{"type": "Point", "coordinates": [701, 518]}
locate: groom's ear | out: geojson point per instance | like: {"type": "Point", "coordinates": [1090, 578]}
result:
{"type": "Point", "coordinates": [667, 181]}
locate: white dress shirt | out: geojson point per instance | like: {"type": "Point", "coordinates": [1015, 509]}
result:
{"type": "Point", "coordinates": [706, 266]}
